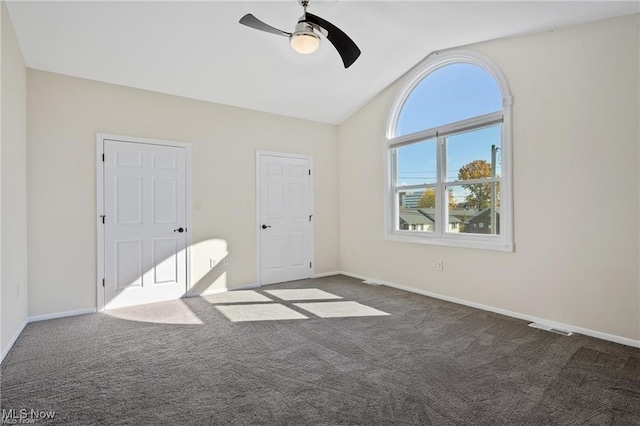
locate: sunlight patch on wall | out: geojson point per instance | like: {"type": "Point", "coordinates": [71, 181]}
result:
{"type": "Point", "coordinates": [209, 266]}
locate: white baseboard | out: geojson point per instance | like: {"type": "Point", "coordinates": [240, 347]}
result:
{"type": "Point", "coordinates": [62, 314]}
{"type": "Point", "coordinates": [326, 274]}
{"type": "Point", "coordinates": [224, 290]}
{"type": "Point", "coordinates": [579, 330]}
{"type": "Point", "coordinates": [13, 339]}
{"type": "Point", "coordinates": [358, 277]}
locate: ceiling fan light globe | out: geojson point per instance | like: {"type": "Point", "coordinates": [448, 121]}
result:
{"type": "Point", "coordinates": [304, 42]}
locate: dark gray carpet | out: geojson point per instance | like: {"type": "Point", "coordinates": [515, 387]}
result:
{"type": "Point", "coordinates": [428, 362]}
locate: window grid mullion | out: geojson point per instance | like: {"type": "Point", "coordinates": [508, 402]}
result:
{"type": "Point", "coordinates": [399, 188]}
{"type": "Point", "coordinates": [463, 126]}
{"type": "Point", "coordinates": [473, 181]}
{"type": "Point", "coordinates": [441, 154]}
{"type": "Point", "coordinates": [396, 196]}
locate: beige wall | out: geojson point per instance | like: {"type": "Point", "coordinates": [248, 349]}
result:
{"type": "Point", "coordinates": [576, 162]}
{"type": "Point", "coordinates": [64, 115]}
{"type": "Point", "coordinates": [13, 166]}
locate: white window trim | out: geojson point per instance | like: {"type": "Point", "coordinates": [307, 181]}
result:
{"type": "Point", "coordinates": [505, 240]}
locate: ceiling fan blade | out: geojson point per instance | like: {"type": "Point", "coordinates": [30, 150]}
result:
{"type": "Point", "coordinates": [251, 21]}
{"type": "Point", "coordinates": [347, 49]}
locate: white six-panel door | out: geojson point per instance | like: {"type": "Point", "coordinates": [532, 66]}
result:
{"type": "Point", "coordinates": [285, 218]}
{"type": "Point", "coordinates": [145, 223]}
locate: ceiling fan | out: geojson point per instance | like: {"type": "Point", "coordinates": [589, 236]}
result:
{"type": "Point", "coordinates": [305, 39]}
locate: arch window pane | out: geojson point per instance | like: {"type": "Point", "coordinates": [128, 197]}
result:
{"type": "Point", "coordinates": [449, 94]}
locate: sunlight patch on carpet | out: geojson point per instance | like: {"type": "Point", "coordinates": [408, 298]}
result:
{"type": "Point", "coordinates": [259, 312]}
{"type": "Point", "coordinates": [340, 309]}
{"type": "Point", "coordinates": [170, 312]}
{"type": "Point", "coordinates": [302, 294]}
{"type": "Point", "coordinates": [238, 296]}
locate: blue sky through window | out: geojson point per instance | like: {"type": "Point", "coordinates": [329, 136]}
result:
{"type": "Point", "coordinates": [451, 93]}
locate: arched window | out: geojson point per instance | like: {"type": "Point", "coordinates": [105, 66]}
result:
{"type": "Point", "coordinates": [449, 155]}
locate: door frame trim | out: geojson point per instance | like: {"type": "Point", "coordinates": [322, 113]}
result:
{"type": "Point", "coordinates": [311, 198]}
{"type": "Point", "coordinates": [100, 138]}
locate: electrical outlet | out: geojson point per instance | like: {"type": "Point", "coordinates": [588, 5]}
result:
{"type": "Point", "coordinates": [440, 265]}
{"type": "Point", "coordinates": [212, 263]}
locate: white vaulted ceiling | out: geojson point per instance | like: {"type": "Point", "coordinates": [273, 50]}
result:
{"type": "Point", "coordinates": [198, 49]}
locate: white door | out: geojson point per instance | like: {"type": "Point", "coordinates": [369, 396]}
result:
{"type": "Point", "coordinates": [144, 223]}
{"type": "Point", "coordinates": [285, 218]}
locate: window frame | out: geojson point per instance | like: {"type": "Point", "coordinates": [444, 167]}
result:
{"type": "Point", "coordinates": [501, 242]}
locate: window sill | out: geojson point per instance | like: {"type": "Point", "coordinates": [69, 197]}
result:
{"type": "Point", "coordinates": [475, 242]}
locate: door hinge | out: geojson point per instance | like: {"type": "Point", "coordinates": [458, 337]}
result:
{"type": "Point", "coordinates": [103, 282]}
{"type": "Point", "coordinates": [309, 172]}
{"type": "Point", "coordinates": [310, 264]}
{"type": "Point", "coordinates": [310, 216]}
{"type": "Point", "coordinates": [103, 158]}
{"type": "Point", "coordinates": [102, 216]}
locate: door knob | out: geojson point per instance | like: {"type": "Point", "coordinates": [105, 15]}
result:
{"type": "Point", "coordinates": [180, 230]}
{"type": "Point", "coordinates": [266, 226]}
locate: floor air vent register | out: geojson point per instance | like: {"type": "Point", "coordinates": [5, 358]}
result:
{"type": "Point", "coordinates": [551, 329]}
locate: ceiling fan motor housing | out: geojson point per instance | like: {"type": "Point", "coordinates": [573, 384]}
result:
{"type": "Point", "coordinates": [304, 40]}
